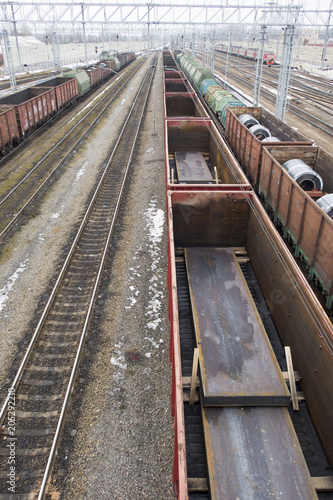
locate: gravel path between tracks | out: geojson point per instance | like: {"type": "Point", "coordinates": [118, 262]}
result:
{"type": "Point", "coordinates": [118, 439]}
{"type": "Point", "coordinates": [29, 261]}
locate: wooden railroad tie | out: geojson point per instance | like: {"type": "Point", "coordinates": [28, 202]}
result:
{"type": "Point", "coordinates": [200, 484]}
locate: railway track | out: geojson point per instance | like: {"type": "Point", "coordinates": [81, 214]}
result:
{"type": "Point", "coordinates": [317, 96]}
{"type": "Point", "coordinates": [42, 386]}
{"type": "Point", "coordinates": [310, 118]}
{"type": "Point", "coordinates": [24, 80]}
{"type": "Point", "coordinates": [16, 201]}
{"type": "Point", "coordinates": [313, 89]}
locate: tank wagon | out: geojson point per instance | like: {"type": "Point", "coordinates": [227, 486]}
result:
{"type": "Point", "coordinates": [204, 82]}
{"type": "Point", "coordinates": [23, 111]}
{"type": "Point", "coordinates": [247, 53]}
{"type": "Point", "coordinates": [233, 284]}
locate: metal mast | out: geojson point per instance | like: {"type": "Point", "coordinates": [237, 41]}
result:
{"type": "Point", "coordinates": [193, 45]}
{"type": "Point", "coordinates": [326, 38]}
{"type": "Point", "coordinates": [227, 64]}
{"type": "Point", "coordinates": [260, 59]}
{"type": "Point", "coordinates": [15, 32]}
{"type": "Point", "coordinates": [84, 33]}
{"type": "Point", "coordinates": [8, 52]}
{"type": "Point", "coordinates": [55, 50]}
{"type": "Point", "coordinates": [284, 77]}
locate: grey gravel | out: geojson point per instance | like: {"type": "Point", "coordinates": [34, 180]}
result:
{"type": "Point", "coordinates": [118, 439]}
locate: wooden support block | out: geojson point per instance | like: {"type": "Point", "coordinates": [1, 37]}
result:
{"type": "Point", "coordinates": [186, 398]}
{"type": "Point", "coordinates": [239, 250]}
{"type": "Point", "coordinates": [242, 260]}
{"type": "Point", "coordinates": [194, 374]}
{"type": "Point", "coordinates": [187, 382]}
{"type": "Point", "coordinates": [324, 483]}
{"type": "Point", "coordinates": [300, 396]}
{"type": "Point", "coordinates": [297, 376]}
{"type": "Point", "coordinates": [216, 176]}
{"type": "Point", "coordinates": [292, 382]}
{"type": "Point", "coordinates": [197, 485]}
{"type": "Point", "coordinates": [179, 259]}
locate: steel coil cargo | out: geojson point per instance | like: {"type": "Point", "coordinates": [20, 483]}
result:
{"type": "Point", "coordinates": [260, 132]}
{"type": "Point", "coordinates": [326, 203]}
{"type": "Point", "coordinates": [271, 139]}
{"type": "Point", "coordinates": [304, 175]}
{"type": "Point", "coordinates": [248, 120]}
{"type": "Point", "coordinates": [246, 147]}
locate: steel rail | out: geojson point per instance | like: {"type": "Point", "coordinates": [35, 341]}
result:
{"type": "Point", "coordinates": [325, 127]}
{"type": "Point", "coordinates": [310, 118]}
{"type": "Point", "coordinates": [65, 137]}
{"type": "Point", "coordinates": [92, 124]}
{"type": "Point", "coordinates": [52, 455]}
{"type": "Point", "coordinates": [93, 296]}
{"type": "Point", "coordinates": [37, 132]}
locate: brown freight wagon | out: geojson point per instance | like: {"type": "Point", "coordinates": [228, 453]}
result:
{"type": "Point", "coordinates": [212, 221]}
{"type": "Point", "coordinates": [33, 106]}
{"type": "Point", "coordinates": [95, 75]}
{"type": "Point", "coordinates": [304, 223]}
{"type": "Point", "coordinates": [183, 104]}
{"type": "Point", "coordinates": [177, 85]}
{"type": "Point", "coordinates": [108, 69]}
{"type": "Point", "coordinates": [66, 90]}
{"type": "Point", "coordinates": [9, 131]}
{"type": "Point", "coordinates": [247, 148]}
{"type": "Point", "coordinates": [196, 154]}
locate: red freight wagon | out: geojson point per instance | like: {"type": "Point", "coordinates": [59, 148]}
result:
{"type": "Point", "coordinates": [95, 75]}
{"type": "Point", "coordinates": [107, 69]}
{"type": "Point", "coordinates": [9, 131]}
{"type": "Point", "coordinates": [183, 104]}
{"type": "Point", "coordinates": [33, 106]}
{"type": "Point", "coordinates": [246, 147]}
{"type": "Point", "coordinates": [213, 221]}
{"type": "Point", "coordinates": [197, 154]}
{"type": "Point", "coordinates": [176, 85]}
{"type": "Point", "coordinates": [66, 90]}
{"type": "Point", "coordinates": [305, 224]}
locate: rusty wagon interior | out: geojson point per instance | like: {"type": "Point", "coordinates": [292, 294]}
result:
{"type": "Point", "coordinates": [288, 309]}
{"type": "Point", "coordinates": [197, 154]}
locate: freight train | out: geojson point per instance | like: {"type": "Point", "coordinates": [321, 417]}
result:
{"type": "Point", "coordinates": [249, 130]}
{"type": "Point", "coordinates": [233, 283]}
{"type": "Point", "coordinates": [247, 53]}
{"type": "Point", "coordinates": [23, 111]}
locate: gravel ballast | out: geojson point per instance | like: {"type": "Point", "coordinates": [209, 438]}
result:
{"type": "Point", "coordinates": [118, 438]}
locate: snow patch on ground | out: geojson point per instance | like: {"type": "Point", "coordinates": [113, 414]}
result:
{"type": "Point", "coordinates": [155, 218]}
{"type": "Point", "coordinates": [80, 172]}
{"type": "Point", "coordinates": [5, 291]}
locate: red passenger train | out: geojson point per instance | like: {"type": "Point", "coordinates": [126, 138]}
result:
{"type": "Point", "coordinates": [248, 53]}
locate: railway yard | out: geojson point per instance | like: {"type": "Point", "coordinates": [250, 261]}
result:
{"type": "Point", "coordinates": [107, 296]}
